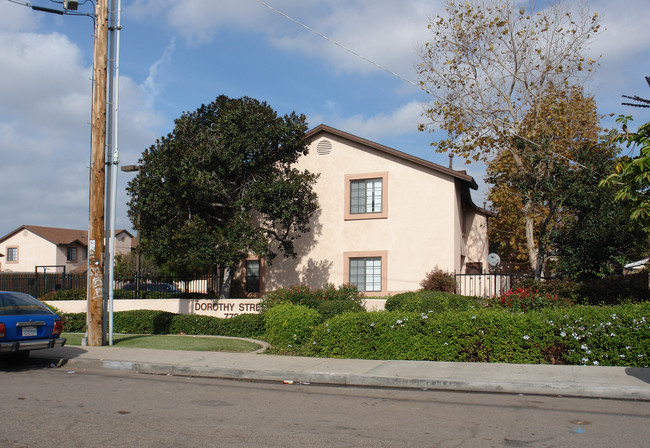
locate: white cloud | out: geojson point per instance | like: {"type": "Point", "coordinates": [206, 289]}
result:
{"type": "Point", "coordinates": [384, 31]}
{"type": "Point", "coordinates": [44, 128]}
{"type": "Point", "coordinates": [401, 121]}
{"type": "Point", "coordinates": [153, 84]}
{"type": "Point", "coordinates": [14, 17]}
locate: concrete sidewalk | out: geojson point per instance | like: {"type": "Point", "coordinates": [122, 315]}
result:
{"type": "Point", "coordinates": [576, 381]}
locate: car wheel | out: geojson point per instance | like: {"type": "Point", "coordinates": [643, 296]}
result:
{"type": "Point", "coordinates": [15, 359]}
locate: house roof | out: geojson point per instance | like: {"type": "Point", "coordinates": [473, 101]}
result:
{"type": "Point", "coordinates": [458, 175]}
{"type": "Point", "coordinates": [59, 236]}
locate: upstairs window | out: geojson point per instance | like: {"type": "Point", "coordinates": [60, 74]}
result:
{"type": "Point", "coordinates": [366, 196]}
{"type": "Point", "coordinates": [12, 254]}
{"type": "Point", "coordinates": [71, 254]}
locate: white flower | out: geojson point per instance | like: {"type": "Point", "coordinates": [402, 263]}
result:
{"type": "Point", "coordinates": [622, 356]}
{"type": "Point", "coordinates": [585, 360]}
{"type": "Point", "coordinates": [584, 347]}
{"type": "Point", "coordinates": [613, 334]}
{"type": "Point", "coordinates": [329, 330]}
{"type": "Point", "coordinates": [372, 324]}
{"type": "Point", "coordinates": [526, 337]}
{"type": "Point", "coordinates": [596, 363]}
{"type": "Point", "coordinates": [473, 317]}
{"type": "Point", "coordinates": [563, 334]}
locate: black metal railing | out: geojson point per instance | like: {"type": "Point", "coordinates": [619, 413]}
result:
{"type": "Point", "coordinates": [149, 287]}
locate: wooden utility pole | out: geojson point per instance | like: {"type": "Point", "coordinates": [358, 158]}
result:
{"type": "Point", "coordinates": [96, 243]}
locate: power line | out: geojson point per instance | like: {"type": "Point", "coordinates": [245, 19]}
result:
{"type": "Point", "coordinates": [349, 50]}
{"type": "Point", "coordinates": [397, 75]}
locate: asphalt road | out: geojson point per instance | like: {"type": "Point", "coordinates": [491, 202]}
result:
{"type": "Point", "coordinates": [45, 407]}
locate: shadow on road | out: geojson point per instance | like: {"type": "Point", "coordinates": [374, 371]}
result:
{"type": "Point", "coordinates": [639, 372]}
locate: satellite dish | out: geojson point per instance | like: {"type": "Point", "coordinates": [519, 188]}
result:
{"type": "Point", "coordinates": [493, 260]}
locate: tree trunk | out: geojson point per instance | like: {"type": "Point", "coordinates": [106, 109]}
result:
{"type": "Point", "coordinates": [530, 237]}
{"type": "Point", "coordinates": [226, 284]}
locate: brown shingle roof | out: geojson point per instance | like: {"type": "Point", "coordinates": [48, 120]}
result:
{"type": "Point", "coordinates": [59, 236]}
{"type": "Point", "coordinates": [459, 175]}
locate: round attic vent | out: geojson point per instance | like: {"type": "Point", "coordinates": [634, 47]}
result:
{"type": "Point", "coordinates": [324, 147]}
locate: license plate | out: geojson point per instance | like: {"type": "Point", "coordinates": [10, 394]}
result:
{"type": "Point", "coordinates": [30, 331]}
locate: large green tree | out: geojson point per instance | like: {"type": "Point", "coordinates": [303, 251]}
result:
{"type": "Point", "coordinates": [598, 235]}
{"type": "Point", "coordinates": [222, 185]}
{"type": "Point", "coordinates": [488, 66]}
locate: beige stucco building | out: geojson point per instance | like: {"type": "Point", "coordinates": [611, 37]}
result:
{"type": "Point", "coordinates": [385, 219]}
{"type": "Point", "coordinates": [30, 246]}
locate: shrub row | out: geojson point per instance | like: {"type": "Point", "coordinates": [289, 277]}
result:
{"type": "Point", "coordinates": [430, 301]}
{"type": "Point", "coordinates": [581, 335]}
{"type": "Point", "coordinates": [528, 298]}
{"type": "Point", "coordinates": [65, 294]}
{"type": "Point", "coordinates": [604, 291]}
{"type": "Point", "coordinates": [329, 300]}
{"type": "Point", "coordinates": [162, 322]}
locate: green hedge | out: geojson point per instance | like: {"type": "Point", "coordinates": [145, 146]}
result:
{"type": "Point", "coordinates": [289, 326]}
{"type": "Point", "coordinates": [244, 325]}
{"type": "Point", "coordinates": [73, 322]}
{"type": "Point", "coordinates": [161, 322]}
{"type": "Point", "coordinates": [315, 298]}
{"type": "Point", "coordinates": [142, 322]}
{"type": "Point", "coordinates": [65, 294]}
{"type": "Point", "coordinates": [430, 301]}
{"type": "Point", "coordinates": [614, 336]}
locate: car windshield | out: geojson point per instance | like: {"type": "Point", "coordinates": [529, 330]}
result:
{"type": "Point", "coordinates": [16, 303]}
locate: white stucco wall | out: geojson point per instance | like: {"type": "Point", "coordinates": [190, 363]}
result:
{"type": "Point", "coordinates": [32, 251]}
{"type": "Point", "coordinates": [223, 308]}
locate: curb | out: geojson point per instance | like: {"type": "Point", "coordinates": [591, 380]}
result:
{"type": "Point", "coordinates": [355, 380]}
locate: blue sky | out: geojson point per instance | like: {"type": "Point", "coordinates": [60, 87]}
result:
{"type": "Point", "coordinates": [176, 55]}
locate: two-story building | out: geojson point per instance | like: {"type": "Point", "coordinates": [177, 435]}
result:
{"type": "Point", "coordinates": [385, 219]}
{"type": "Point", "coordinates": [29, 247]}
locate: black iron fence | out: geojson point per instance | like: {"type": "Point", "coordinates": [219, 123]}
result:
{"type": "Point", "coordinates": [149, 287]}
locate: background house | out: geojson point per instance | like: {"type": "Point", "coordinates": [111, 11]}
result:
{"type": "Point", "coordinates": [385, 219]}
{"type": "Point", "coordinates": [30, 246]}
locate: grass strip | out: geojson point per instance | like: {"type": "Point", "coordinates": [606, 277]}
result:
{"type": "Point", "coordinates": [174, 342]}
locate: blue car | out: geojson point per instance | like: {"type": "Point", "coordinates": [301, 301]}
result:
{"type": "Point", "coordinates": [26, 324]}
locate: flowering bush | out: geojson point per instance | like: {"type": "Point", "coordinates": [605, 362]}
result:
{"type": "Point", "coordinates": [607, 336]}
{"type": "Point", "coordinates": [581, 335]}
{"type": "Point", "coordinates": [525, 299]}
